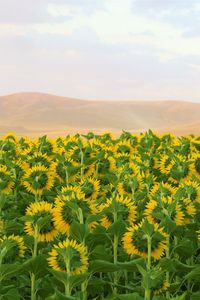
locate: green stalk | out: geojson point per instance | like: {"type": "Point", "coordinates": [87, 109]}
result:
{"type": "Point", "coordinates": [190, 263]}
{"type": "Point", "coordinates": [168, 256]}
{"type": "Point", "coordinates": [67, 284]}
{"type": "Point", "coordinates": [147, 290]}
{"type": "Point", "coordinates": [33, 279]}
{"type": "Point", "coordinates": [82, 165]}
{"type": "Point", "coordinates": [66, 177]}
{"type": "Point", "coordinates": [126, 280]}
{"type": "Point", "coordinates": [84, 284]}
{"type": "Point", "coordinates": [115, 246]}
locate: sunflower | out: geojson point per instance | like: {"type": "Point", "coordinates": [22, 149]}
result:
{"type": "Point", "coordinates": [156, 211]}
{"type": "Point", "coordinates": [162, 287]}
{"type": "Point", "coordinates": [189, 189]}
{"type": "Point", "coordinates": [164, 164]}
{"type": "Point", "coordinates": [10, 137]}
{"type": "Point", "coordinates": [124, 147]}
{"type": "Point", "coordinates": [18, 248]}
{"type": "Point", "coordinates": [179, 168]}
{"type": "Point", "coordinates": [39, 158]}
{"type": "Point", "coordinates": [37, 179]}
{"type": "Point", "coordinates": [6, 180]}
{"type": "Point", "coordinates": [63, 214]}
{"type": "Point", "coordinates": [135, 241]}
{"type": "Point", "coordinates": [39, 210]}
{"type": "Point", "coordinates": [123, 206]}
{"type": "Point", "coordinates": [24, 147]}
{"type": "Point", "coordinates": [161, 189]}
{"type": "Point", "coordinates": [106, 164]}
{"type": "Point", "coordinates": [130, 185]}
{"type": "Point", "coordinates": [69, 256]}
{"type": "Point", "coordinates": [90, 187]}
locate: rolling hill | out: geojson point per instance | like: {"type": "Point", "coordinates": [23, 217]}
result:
{"type": "Point", "coordinates": [37, 114]}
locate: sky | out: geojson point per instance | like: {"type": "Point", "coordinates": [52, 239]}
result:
{"type": "Point", "coordinates": [101, 49]}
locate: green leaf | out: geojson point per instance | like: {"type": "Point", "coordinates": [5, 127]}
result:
{"type": "Point", "coordinates": [76, 280]}
{"type": "Point", "coordinates": [132, 265]}
{"type": "Point", "coordinates": [100, 252]}
{"type": "Point", "coordinates": [61, 276]}
{"type": "Point", "coordinates": [12, 294]}
{"type": "Point", "coordinates": [43, 221]}
{"type": "Point", "coordinates": [142, 271]}
{"type": "Point", "coordinates": [117, 228]}
{"type": "Point", "coordinates": [194, 274]}
{"type": "Point", "coordinates": [195, 296]}
{"type": "Point", "coordinates": [148, 228]}
{"type": "Point", "coordinates": [37, 265]}
{"type": "Point", "coordinates": [78, 231]}
{"type": "Point", "coordinates": [132, 296]}
{"type": "Point", "coordinates": [59, 296]}
{"type": "Point", "coordinates": [103, 266]}
{"type": "Point", "coordinates": [9, 270]}
{"type": "Point", "coordinates": [26, 218]}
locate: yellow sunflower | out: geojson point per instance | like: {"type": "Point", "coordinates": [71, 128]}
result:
{"type": "Point", "coordinates": [38, 179]}
{"type": "Point", "coordinates": [6, 180]}
{"type": "Point", "coordinates": [69, 256]}
{"type": "Point", "coordinates": [190, 189]}
{"type": "Point", "coordinates": [135, 241]}
{"type": "Point", "coordinates": [41, 210]}
{"type": "Point", "coordinates": [156, 211]}
{"type": "Point", "coordinates": [90, 187]}
{"type": "Point", "coordinates": [10, 136]}
{"type": "Point", "coordinates": [18, 249]}
{"type": "Point", "coordinates": [62, 214]}
{"type": "Point", "coordinates": [124, 207]}
{"type": "Point", "coordinates": [161, 189]}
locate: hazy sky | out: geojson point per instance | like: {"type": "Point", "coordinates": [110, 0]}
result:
{"type": "Point", "coordinates": [101, 49]}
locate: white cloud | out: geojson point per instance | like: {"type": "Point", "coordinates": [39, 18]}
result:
{"type": "Point", "coordinates": [117, 24]}
{"type": "Point", "coordinates": [63, 10]}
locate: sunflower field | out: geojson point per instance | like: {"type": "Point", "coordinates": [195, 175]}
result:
{"type": "Point", "coordinates": [100, 217]}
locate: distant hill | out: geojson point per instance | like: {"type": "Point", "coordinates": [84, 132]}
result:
{"type": "Point", "coordinates": [38, 114]}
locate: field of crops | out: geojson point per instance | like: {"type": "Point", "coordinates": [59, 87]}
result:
{"type": "Point", "coordinates": [100, 217]}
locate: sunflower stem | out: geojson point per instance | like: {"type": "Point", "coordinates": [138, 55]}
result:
{"type": "Point", "coordinates": [33, 279]}
{"type": "Point", "coordinates": [82, 169]}
{"type": "Point", "coordinates": [147, 290]}
{"type": "Point", "coordinates": [84, 284]}
{"type": "Point", "coordinates": [168, 256]}
{"type": "Point", "coordinates": [67, 284]}
{"type": "Point", "coordinates": [115, 246]}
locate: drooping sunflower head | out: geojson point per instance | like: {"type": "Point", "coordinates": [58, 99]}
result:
{"type": "Point", "coordinates": [179, 168]}
{"type": "Point", "coordinates": [121, 207]}
{"type": "Point", "coordinates": [10, 137]}
{"type": "Point", "coordinates": [70, 193]}
{"type": "Point", "coordinates": [106, 164]}
{"type": "Point", "coordinates": [8, 145]}
{"type": "Point", "coordinates": [38, 179]}
{"type": "Point", "coordinates": [24, 147]}
{"type": "Point", "coordinates": [39, 158]}
{"type": "Point", "coordinates": [160, 190]}
{"type": "Point", "coordinates": [187, 209]}
{"type": "Point", "coordinates": [90, 187]}
{"type": "Point", "coordinates": [162, 285]}
{"type": "Point", "coordinates": [130, 184]}
{"type": "Point", "coordinates": [135, 241]}
{"type": "Point", "coordinates": [189, 189]}
{"type": "Point", "coordinates": [69, 256]}
{"type": "Point", "coordinates": [164, 164]}
{"type": "Point", "coordinates": [124, 147]}
{"type": "Point", "coordinates": [67, 203]}
{"type": "Point", "coordinates": [41, 213]}
{"type": "Point", "coordinates": [12, 247]}
{"type": "Point", "coordinates": [6, 180]}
